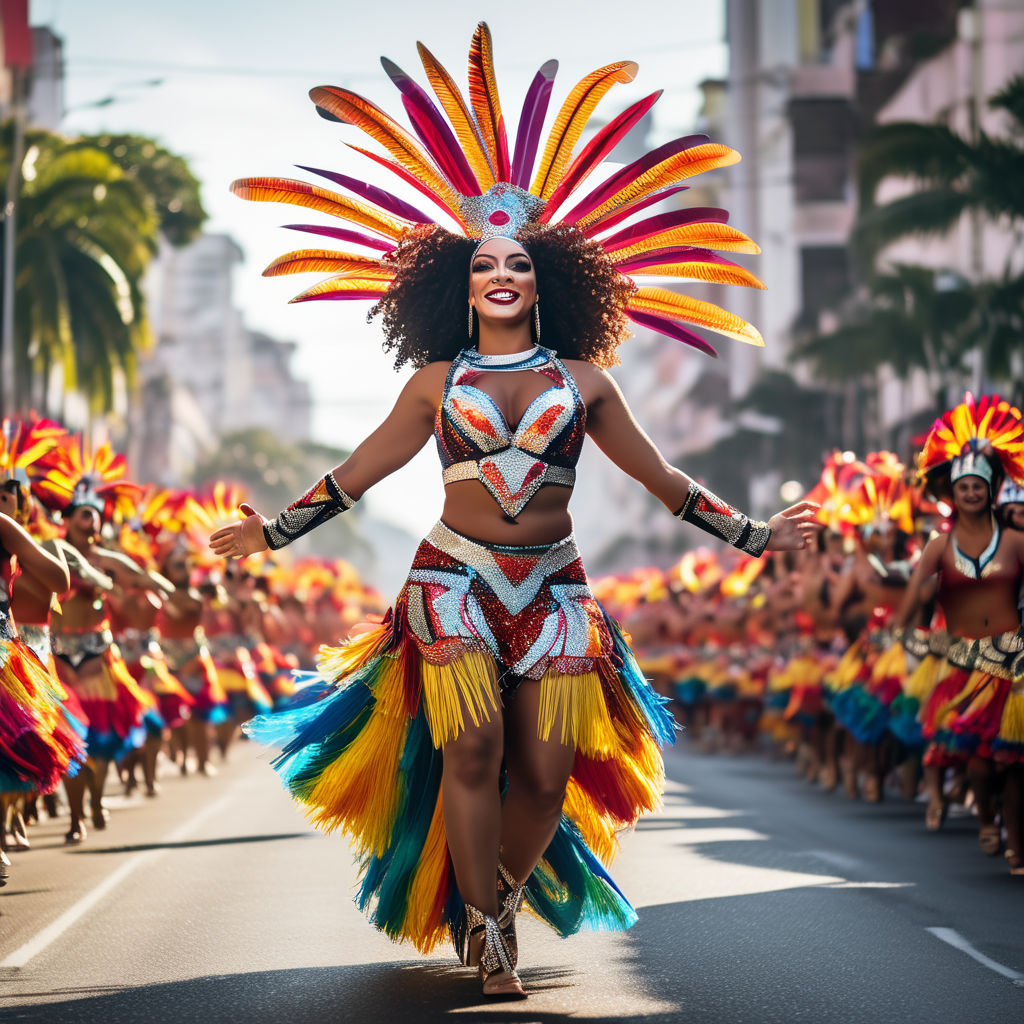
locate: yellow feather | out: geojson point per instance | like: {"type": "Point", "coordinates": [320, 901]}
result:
{"type": "Point", "coordinates": [340, 285]}
{"type": "Point", "coordinates": [461, 119]}
{"type": "Point", "coordinates": [571, 121]}
{"type": "Point", "coordinates": [704, 235]}
{"type": "Point", "coordinates": [355, 110]}
{"type": "Point", "coordinates": [687, 164]}
{"type": "Point", "coordinates": [313, 197]}
{"type": "Point", "coordinates": [713, 273]}
{"type": "Point", "coordinates": [326, 261]}
{"type": "Point", "coordinates": [662, 302]}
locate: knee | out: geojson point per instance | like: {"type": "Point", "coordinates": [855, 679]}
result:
{"type": "Point", "coordinates": [473, 761]}
{"type": "Point", "coordinates": [545, 793]}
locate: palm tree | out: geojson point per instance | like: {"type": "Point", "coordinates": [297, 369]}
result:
{"type": "Point", "coordinates": [86, 233]}
{"type": "Point", "coordinates": [952, 174]}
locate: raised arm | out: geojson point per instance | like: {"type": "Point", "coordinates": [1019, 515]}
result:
{"type": "Point", "coordinates": [50, 571]}
{"type": "Point", "coordinates": [613, 428]}
{"type": "Point", "coordinates": [405, 431]}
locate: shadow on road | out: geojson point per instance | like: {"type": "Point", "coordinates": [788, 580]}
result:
{"type": "Point", "coordinates": [409, 991]}
{"type": "Point", "coordinates": [88, 851]}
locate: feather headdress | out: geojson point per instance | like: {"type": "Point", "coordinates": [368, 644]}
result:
{"type": "Point", "coordinates": [73, 473]}
{"type": "Point", "coordinates": [22, 443]}
{"type": "Point", "coordinates": [974, 438]}
{"type": "Point", "coordinates": [458, 157]}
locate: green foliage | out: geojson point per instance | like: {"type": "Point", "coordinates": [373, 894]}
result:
{"type": "Point", "coordinates": [89, 216]}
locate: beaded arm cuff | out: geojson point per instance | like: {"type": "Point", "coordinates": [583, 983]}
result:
{"type": "Point", "coordinates": [711, 514]}
{"type": "Point", "coordinates": [323, 501]}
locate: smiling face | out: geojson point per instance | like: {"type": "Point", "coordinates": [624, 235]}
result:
{"type": "Point", "coordinates": [502, 283]}
{"type": "Point", "coordinates": [971, 495]}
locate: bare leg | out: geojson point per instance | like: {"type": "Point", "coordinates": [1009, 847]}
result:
{"type": "Point", "coordinates": [75, 789]}
{"type": "Point", "coordinates": [150, 751]}
{"type": "Point", "coordinates": [1013, 817]}
{"type": "Point", "coordinates": [981, 776]}
{"type": "Point", "coordinates": [472, 810]}
{"type": "Point", "coordinates": [97, 781]}
{"type": "Point", "coordinates": [538, 771]}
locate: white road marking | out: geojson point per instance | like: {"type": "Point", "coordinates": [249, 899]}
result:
{"type": "Point", "coordinates": [21, 956]}
{"type": "Point", "coordinates": [957, 941]}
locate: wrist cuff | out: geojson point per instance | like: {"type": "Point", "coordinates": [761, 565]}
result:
{"type": "Point", "coordinates": [720, 519]}
{"type": "Point", "coordinates": [323, 501]}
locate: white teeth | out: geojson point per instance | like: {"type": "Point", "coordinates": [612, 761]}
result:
{"type": "Point", "coordinates": [501, 296]}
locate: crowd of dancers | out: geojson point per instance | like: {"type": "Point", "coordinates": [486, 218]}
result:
{"type": "Point", "coordinates": [123, 638]}
{"type": "Point", "coordinates": [888, 656]}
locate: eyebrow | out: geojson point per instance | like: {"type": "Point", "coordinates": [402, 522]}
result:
{"type": "Point", "coordinates": [488, 256]}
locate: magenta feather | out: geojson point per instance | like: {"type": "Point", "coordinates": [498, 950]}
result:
{"type": "Point", "coordinates": [598, 148]}
{"type": "Point", "coordinates": [663, 222]}
{"type": "Point", "coordinates": [407, 176]}
{"type": "Point", "coordinates": [672, 330]}
{"type": "Point", "coordinates": [345, 235]}
{"type": "Point", "coordinates": [630, 173]}
{"type": "Point", "coordinates": [531, 123]}
{"type": "Point", "coordinates": [609, 220]}
{"type": "Point", "coordinates": [372, 194]}
{"type": "Point", "coordinates": [337, 297]}
{"type": "Point", "coordinates": [429, 124]}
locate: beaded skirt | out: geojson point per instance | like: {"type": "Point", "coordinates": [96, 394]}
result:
{"type": "Point", "coordinates": [361, 743]}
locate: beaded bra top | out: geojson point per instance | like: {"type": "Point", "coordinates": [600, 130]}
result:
{"type": "Point", "coordinates": [475, 442]}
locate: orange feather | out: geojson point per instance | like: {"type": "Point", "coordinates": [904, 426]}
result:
{"type": "Point", "coordinates": [337, 286]}
{"type": "Point", "coordinates": [313, 197]}
{"type": "Point", "coordinates": [462, 121]}
{"type": "Point", "coordinates": [698, 270]}
{"type": "Point", "coordinates": [353, 109]}
{"type": "Point", "coordinates": [687, 164]}
{"type": "Point", "coordinates": [326, 261]}
{"type": "Point", "coordinates": [571, 121]}
{"type": "Point", "coordinates": [483, 97]}
{"type": "Point", "coordinates": [662, 302]}
{"type": "Point", "coordinates": [706, 235]}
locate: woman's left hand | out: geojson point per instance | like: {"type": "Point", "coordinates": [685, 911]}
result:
{"type": "Point", "coordinates": [240, 539]}
{"type": "Point", "coordinates": [794, 527]}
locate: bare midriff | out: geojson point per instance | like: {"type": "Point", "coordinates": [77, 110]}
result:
{"type": "Point", "coordinates": [81, 611]}
{"type": "Point", "coordinates": [984, 607]}
{"type": "Point", "coordinates": [470, 509]}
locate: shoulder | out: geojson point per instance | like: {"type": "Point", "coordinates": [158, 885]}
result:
{"type": "Point", "coordinates": [590, 378]}
{"type": "Point", "coordinates": [430, 376]}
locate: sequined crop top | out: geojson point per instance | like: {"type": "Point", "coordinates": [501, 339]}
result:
{"type": "Point", "coordinates": [475, 442]}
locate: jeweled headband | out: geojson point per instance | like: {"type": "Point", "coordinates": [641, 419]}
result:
{"type": "Point", "coordinates": [458, 158]}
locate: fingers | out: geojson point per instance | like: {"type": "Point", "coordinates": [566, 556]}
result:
{"type": "Point", "coordinates": [800, 509]}
{"type": "Point", "coordinates": [246, 509]}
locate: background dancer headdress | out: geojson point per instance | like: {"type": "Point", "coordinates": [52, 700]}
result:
{"type": "Point", "coordinates": [74, 473]}
{"type": "Point", "coordinates": [983, 437]}
{"type": "Point", "coordinates": [463, 165]}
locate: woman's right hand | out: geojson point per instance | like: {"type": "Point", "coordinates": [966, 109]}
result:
{"type": "Point", "coordinates": [240, 539]}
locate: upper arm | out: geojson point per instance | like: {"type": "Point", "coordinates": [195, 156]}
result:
{"type": "Point", "coordinates": [925, 569]}
{"type": "Point", "coordinates": [616, 432]}
{"type": "Point", "coordinates": [51, 572]}
{"type": "Point", "coordinates": [403, 433]}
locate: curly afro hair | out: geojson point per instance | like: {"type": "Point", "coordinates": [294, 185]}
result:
{"type": "Point", "coordinates": [424, 312]}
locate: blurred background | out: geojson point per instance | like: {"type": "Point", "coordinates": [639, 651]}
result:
{"type": "Point", "coordinates": [882, 175]}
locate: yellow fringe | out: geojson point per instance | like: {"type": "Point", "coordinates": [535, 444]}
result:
{"type": "Point", "coordinates": [597, 829]}
{"type": "Point", "coordinates": [578, 701]}
{"type": "Point", "coordinates": [1011, 728]}
{"type": "Point", "coordinates": [333, 662]}
{"type": "Point", "coordinates": [424, 917]}
{"type": "Point", "coordinates": [467, 685]}
{"type": "Point", "coordinates": [923, 680]}
{"type": "Point", "coordinates": [890, 663]}
{"type": "Point", "coordinates": [359, 790]}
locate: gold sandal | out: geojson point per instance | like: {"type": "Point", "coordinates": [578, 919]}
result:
{"type": "Point", "coordinates": [497, 974]}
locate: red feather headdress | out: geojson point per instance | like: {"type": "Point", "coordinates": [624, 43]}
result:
{"type": "Point", "coordinates": [460, 160]}
{"type": "Point", "coordinates": [986, 428]}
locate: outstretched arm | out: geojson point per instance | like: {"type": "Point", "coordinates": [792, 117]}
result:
{"type": "Point", "coordinates": [613, 428]}
{"type": "Point", "coordinates": [405, 431]}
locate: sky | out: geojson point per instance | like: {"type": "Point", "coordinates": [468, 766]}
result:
{"type": "Point", "coordinates": [232, 99]}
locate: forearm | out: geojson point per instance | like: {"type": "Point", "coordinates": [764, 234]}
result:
{"type": "Point", "coordinates": [713, 515]}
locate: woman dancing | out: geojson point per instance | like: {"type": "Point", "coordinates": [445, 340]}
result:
{"type": "Point", "coordinates": [974, 714]}
{"type": "Point", "coordinates": [495, 727]}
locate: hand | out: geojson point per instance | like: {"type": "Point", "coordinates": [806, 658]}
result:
{"type": "Point", "coordinates": [793, 527]}
{"type": "Point", "coordinates": [240, 539]}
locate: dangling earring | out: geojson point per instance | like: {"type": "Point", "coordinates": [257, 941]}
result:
{"type": "Point", "coordinates": [536, 318]}
{"type": "Point", "coordinates": [470, 327]}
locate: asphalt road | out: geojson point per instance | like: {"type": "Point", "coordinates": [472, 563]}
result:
{"type": "Point", "coordinates": [760, 900]}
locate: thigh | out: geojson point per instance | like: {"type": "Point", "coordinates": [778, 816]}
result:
{"type": "Point", "coordinates": [540, 764]}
